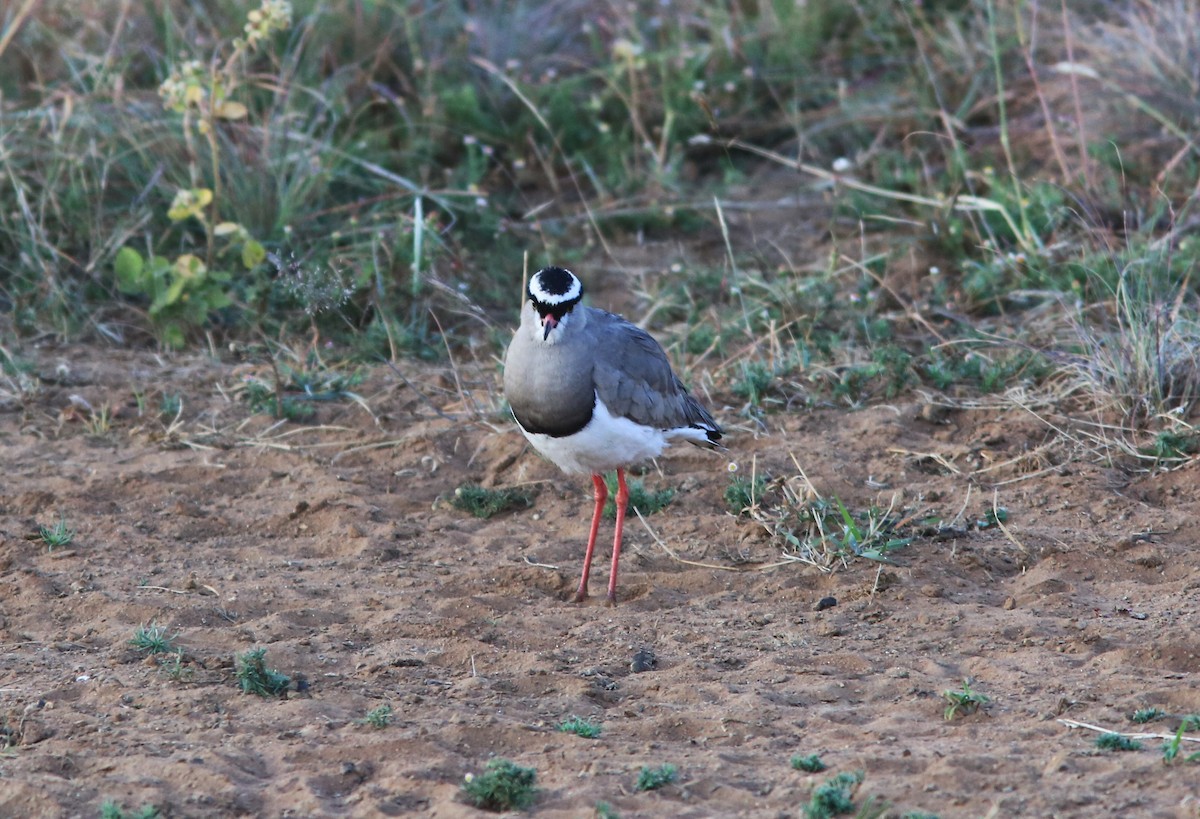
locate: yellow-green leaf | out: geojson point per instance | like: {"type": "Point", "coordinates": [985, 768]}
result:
{"type": "Point", "coordinates": [129, 267]}
{"type": "Point", "coordinates": [252, 254]}
{"type": "Point", "coordinates": [226, 228]}
{"type": "Point", "coordinates": [231, 110]}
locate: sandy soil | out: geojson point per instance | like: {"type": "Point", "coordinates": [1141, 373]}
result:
{"type": "Point", "coordinates": [333, 547]}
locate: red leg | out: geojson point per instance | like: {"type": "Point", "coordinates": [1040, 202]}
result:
{"type": "Point", "coordinates": [601, 496]}
{"type": "Point", "coordinates": [622, 502]}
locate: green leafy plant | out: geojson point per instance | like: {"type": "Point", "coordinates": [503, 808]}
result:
{"type": "Point", "coordinates": [56, 536]}
{"type": "Point", "coordinates": [811, 763]}
{"type": "Point", "coordinates": [503, 786]}
{"type": "Point", "coordinates": [580, 727]}
{"type": "Point", "coordinates": [646, 501]}
{"type": "Point", "coordinates": [380, 717]}
{"type": "Point", "coordinates": [1117, 742]}
{"type": "Point", "coordinates": [153, 639]}
{"type": "Point", "coordinates": [834, 797]}
{"type": "Point", "coordinates": [183, 291]}
{"type": "Point", "coordinates": [606, 811]}
{"type": "Point", "coordinates": [963, 701]}
{"type": "Point", "coordinates": [485, 503]}
{"type": "Point", "coordinates": [651, 779]}
{"type": "Point", "coordinates": [255, 678]}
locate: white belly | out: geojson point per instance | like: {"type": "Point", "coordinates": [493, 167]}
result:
{"type": "Point", "coordinates": [605, 444]}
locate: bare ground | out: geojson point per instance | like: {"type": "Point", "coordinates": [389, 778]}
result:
{"type": "Point", "coordinates": [333, 547]}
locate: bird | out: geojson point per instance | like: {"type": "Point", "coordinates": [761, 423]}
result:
{"type": "Point", "coordinates": [594, 393]}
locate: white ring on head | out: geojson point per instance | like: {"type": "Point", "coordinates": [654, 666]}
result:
{"type": "Point", "coordinates": [543, 296]}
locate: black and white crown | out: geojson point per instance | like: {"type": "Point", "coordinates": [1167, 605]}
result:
{"type": "Point", "coordinates": [555, 286]}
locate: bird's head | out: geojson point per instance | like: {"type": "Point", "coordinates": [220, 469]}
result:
{"type": "Point", "coordinates": [553, 293]}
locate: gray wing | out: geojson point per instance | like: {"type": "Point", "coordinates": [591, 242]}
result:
{"type": "Point", "coordinates": [634, 379]}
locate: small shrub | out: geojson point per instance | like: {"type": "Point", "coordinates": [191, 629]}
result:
{"type": "Point", "coordinates": [256, 678]}
{"type": "Point", "coordinates": [504, 785]}
{"type": "Point", "coordinates": [580, 727]}
{"type": "Point", "coordinates": [651, 779]}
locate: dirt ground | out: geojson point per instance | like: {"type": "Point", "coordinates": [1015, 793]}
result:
{"type": "Point", "coordinates": [332, 546]}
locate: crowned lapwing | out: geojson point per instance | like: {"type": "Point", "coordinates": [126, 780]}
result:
{"type": "Point", "coordinates": [595, 393]}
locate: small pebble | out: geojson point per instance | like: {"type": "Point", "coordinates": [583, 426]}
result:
{"type": "Point", "coordinates": [826, 603]}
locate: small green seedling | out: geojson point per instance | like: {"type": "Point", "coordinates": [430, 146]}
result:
{"type": "Point", "coordinates": [1117, 742]}
{"type": "Point", "coordinates": [380, 717]}
{"type": "Point", "coordinates": [1144, 715]}
{"type": "Point", "coordinates": [810, 764]}
{"type": "Point", "coordinates": [484, 503]}
{"type": "Point", "coordinates": [963, 701]}
{"type": "Point", "coordinates": [504, 785]}
{"type": "Point", "coordinates": [256, 678]}
{"type": "Point", "coordinates": [1191, 722]}
{"type": "Point", "coordinates": [834, 797]}
{"type": "Point", "coordinates": [651, 779]}
{"type": "Point", "coordinates": [56, 536]}
{"type": "Point", "coordinates": [580, 727]}
{"type": "Point", "coordinates": [175, 669]}
{"type": "Point", "coordinates": [153, 639]}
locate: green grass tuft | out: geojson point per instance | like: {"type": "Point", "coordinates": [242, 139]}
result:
{"type": "Point", "coordinates": [153, 639]}
{"type": "Point", "coordinates": [1144, 715]}
{"type": "Point", "coordinates": [56, 536]}
{"type": "Point", "coordinates": [642, 499]}
{"type": "Point", "coordinates": [378, 718]}
{"type": "Point", "coordinates": [1117, 742]}
{"type": "Point", "coordinates": [810, 764]}
{"type": "Point", "coordinates": [485, 503]}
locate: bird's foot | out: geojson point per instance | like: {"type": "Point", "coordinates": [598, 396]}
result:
{"type": "Point", "coordinates": [580, 596]}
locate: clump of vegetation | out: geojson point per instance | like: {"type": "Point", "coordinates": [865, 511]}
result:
{"type": "Point", "coordinates": [378, 718]}
{"type": "Point", "coordinates": [651, 779]}
{"type": "Point", "coordinates": [834, 797]}
{"type": "Point", "coordinates": [503, 786]}
{"type": "Point", "coordinates": [1117, 742]}
{"type": "Point", "coordinates": [255, 678]}
{"type": "Point", "coordinates": [1171, 750]}
{"type": "Point", "coordinates": [57, 535]}
{"type": "Point", "coordinates": [112, 810]}
{"type": "Point", "coordinates": [646, 501]}
{"type": "Point", "coordinates": [482, 502]}
{"type": "Point", "coordinates": [153, 639]}
{"type": "Point", "coordinates": [743, 494]}
{"type": "Point", "coordinates": [963, 701]}
{"type": "Point", "coordinates": [580, 727]}
{"type": "Point", "coordinates": [810, 763]}
{"type": "Point", "coordinates": [1143, 715]}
